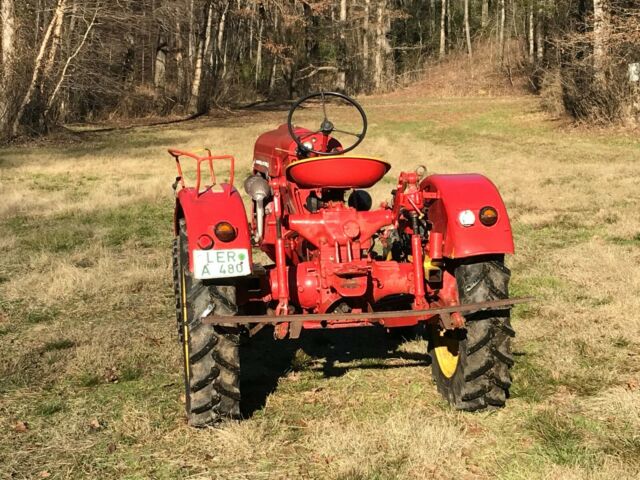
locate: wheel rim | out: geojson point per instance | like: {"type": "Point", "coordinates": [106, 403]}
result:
{"type": "Point", "coordinates": [447, 354]}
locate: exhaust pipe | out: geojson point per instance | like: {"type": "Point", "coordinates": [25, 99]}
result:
{"type": "Point", "coordinates": [258, 189]}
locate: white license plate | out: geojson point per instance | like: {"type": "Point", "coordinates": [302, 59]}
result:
{"type": "Point", "coordinates": [221, 263]}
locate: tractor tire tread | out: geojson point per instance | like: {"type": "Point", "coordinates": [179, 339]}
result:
{"type": "Point", "coordinates": [213, 383]}
{"type": "Point", "coordinates": [205, 350]}
{"type": "Point", "coordinates": [225, 364]}
{"type": "Point", "coordinates": [483, 378]}
{"type": "Point", "coordinates": [478, 370]}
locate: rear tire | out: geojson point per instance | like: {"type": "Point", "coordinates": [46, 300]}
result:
{"type": "Point", "coordinates": [211, 357]}
{"type": "Point", "coordinates": [471, 366]}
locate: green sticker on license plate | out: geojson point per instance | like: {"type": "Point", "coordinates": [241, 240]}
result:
{"type": "Point", "coordinates": [221, 263]}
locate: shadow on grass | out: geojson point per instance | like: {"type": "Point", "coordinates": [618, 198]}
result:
{"type": "Point", "coordinates": [265, 360]}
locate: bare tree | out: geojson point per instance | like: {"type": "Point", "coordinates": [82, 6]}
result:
{"type": "Point", "coordinates": [443, 26]}
{"type": "Point", "coordinates": [38, 66]}
{"type": "Point", "coordinates": [531, 32]}
{"type": "Point", "coordinates": [63, 73]}
{"type": "Point", "coordinates": [540, 31]}
{"type": "Point", "coordinates": [341, 82]}
{"type": "Point", "coordinates": [484, 21]}
{"type": "Point", "coordinates": [7, 17]}
{"type": "Point", "coordinates": [160, 68]}
{"type": "Point", "coordinates": [365, 34]}
{"type": "Point", "coordinates": [600, 33]}
{"type": "Point", "coordinates": [467, 30]}
{"type": "Point", "coordinates": [382, 44]}
{"type": "Point", "coordinates": [501, 29]}
{"type": "Point", "coordinates": [204, 42]}
{"type": "Point", "coordinates": [55, 41]}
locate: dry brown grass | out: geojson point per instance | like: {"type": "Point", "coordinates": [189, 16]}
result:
{"type": "Point", "coordinates": [90, 361]}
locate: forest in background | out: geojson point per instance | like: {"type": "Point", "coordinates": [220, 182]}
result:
{"type": "Point", "coordinates": [68, 61]}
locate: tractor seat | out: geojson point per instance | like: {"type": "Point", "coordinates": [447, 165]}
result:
{"type": "Point", "coordinates": [337, 171]}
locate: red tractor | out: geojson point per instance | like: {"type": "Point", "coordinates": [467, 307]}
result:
{"type": "Point", "coordinates": [432, 255]}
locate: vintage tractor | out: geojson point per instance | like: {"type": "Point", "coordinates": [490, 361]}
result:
{"type": "Point", "coordinates": [433, 255]}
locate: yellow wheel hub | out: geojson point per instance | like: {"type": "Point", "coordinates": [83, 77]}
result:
{"type": "Point", "coordinates": [447, 355]}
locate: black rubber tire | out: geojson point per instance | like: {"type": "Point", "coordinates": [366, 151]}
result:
{"type": "Point", "coordinates": [481, 378]}
{"type": "Point", "coordinates": [211, 356]}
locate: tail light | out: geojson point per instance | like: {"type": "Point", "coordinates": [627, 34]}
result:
{"type": "Point", "coordinates": [225, 232]}
{"type": "Point", "coordinates": [205, 242]}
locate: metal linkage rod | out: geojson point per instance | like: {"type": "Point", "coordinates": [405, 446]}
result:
{"type": "Point", "coordinates": [318, 317]}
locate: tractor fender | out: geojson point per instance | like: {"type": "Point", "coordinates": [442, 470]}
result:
{"type": "Point", "coordinates": [203, 211]}
{"type": "Point", "coordinates": [458, 192]}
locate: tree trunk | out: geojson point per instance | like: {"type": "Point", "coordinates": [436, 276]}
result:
{"type": "Point", "coordinates": [221, 26]}
{"type": "Point", "coordinates": [259, 51]}
{"type": "Point", "coordinates": [381, 44]}
{"type": "Point", "coordinates": [53, 97]}
{"type": "Point", "coordinates": [531, 34]}
{"type": "Point", "coordinates": [195, 103]}
{"type": "Point", "coordinates": [72, 26]}
{"type": "Point", "coordinates": [56, 41]}
{"type": "Point", "coordinates": [342, 57]}
{"type": "Point", "coordinates": [443, 32]}
{"type": "Point", "coordinates": [449, 36]}
{"type": "Point", "coordinates": [540, 32]}
{"type": "Point", "coordinates": [466, 27]}
{"type": "Point", "coordinates": [36, 35]}
{"type": "Point", "coordinates": [600, 33]}
{"type": "Point", "coordinates": [433, 25]}
{"type": "Point", "coordinates": [501, 30]}
{"type": "Point", "coordinates": [37, 68]}
{"type": "Point", "coordinates": [272, 76]}
{"type": "Point", "coordinates": [365, 36]}
{"type": "Point", "coordinates": [8, 19]}
{"type": "Point", "coordinates": [192, 48]}
{"type": "Point", "coordinates": [179, 58]}
{"type": "Point", "coordinates": [160, 69]}
{"type": "Point", "coordinates": [484, 20]}
{"type": "Point", "coordinates": [224, 59]}
{"type": "Point", "coordinates": [7, 15]}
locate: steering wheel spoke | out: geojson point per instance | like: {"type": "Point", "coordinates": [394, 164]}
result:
{"type": "Point", "coordinates": [358, 135]}
{"type": "Point", "coordinates": [327, 127]}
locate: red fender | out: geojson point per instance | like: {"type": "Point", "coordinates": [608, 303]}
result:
{"type": "Point", "coordinates": [204, 211]}
{"type": "Point", "coordinates": [456, 193]}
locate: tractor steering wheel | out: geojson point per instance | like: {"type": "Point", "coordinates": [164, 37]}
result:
{"type": "Point", "coordinates": [326, 127]}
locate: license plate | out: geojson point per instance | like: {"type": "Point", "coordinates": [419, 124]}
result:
{"type": "Point", "coordinates": [221, 263]}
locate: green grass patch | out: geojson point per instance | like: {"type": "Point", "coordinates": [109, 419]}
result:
{"type": "Point", "coordinates": [47, 408]}
{"type": "Point", "coordinates": [41, 315]}
{"type": "Point", "coordinates": [130, 372]}
{"type": "Point", "coordinates": [144, 224]}
{"type": "Point", "coordinates": [89, 379]}
{"type": "Point", "coordinates": [561, 233]}
{"type": "Point", "coordinates": [532, 381]}
{"type": "Point", "coordinates": [633, 241]}
{"type": "Point", "coordinates": [561, 441]}
{"type": "Point", "coordinates": [54, 345]}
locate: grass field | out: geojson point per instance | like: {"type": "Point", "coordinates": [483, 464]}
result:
{"type": "Point", "coordinates": [90, 377]}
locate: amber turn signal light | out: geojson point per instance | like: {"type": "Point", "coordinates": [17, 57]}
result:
{"type": "Point", "coordinates": [225, 232]}
{"type": "Point", "coordinates": [488, 216]}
